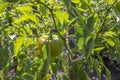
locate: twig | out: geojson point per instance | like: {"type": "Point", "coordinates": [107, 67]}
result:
{"type": "Point", "coordinates": [78, 59]}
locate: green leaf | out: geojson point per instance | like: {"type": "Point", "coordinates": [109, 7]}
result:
{"type": "Point", "coordinates": [3, 6]}
{"type": "Point", "coordinates": [65, 77]}
{"type": "Point", "coordinates": [108, 74]}
{"type": "Point", "coordinates": [24, 8]}
{"type": "Point", "coordinates": [100, 59]}
{"type": "Point", "coordinates": [27, 76]}
{"type": "Point", "coordinates": [45, 51]}
{"type": "Point", "coordinates": [25, 17]}
{"type": "Point", "coordinates": [29, 42]}
{"type": "Point", "coordinates": [80, 43]}
{"type": "Point", "coordinates": [51, 1]}
{"type": "Point", "coordinates": [118, 51]}
{"type": "Point", "coordinates": [89, 45]}
{"type": "Point", "coordinates": [90, 23]}
{"type": "Point", "coordinates": [62, 16]}
{"type": "Point", "coordinates": [21, 19]}
{"type": "Point", "coordinates": [97, 68]}
{"type": "Point", "coordinates": [117, 6]}
{"type": "Point", "coordinates": [82, 10]}
{"type": "Point", "coordinates": [109, 33]}
{"type": "Point", "coordinates": [111, 1]}
{"type": "Point", "coordinates": [43, 10]}
{"type": "Point", "coordinates": [110, 42]}
{"type": "Point", "coordinates": [68, 5]}
{"type": "Point", "coordinates": [79, 31]}
{"type": "Point", "coordinates": [12, 1]}
{"type": "Point", "coordinates": [46, 77]}
{"type": "Point", "coordinates": [83, 74]}
{"type": "Point", "coordinates": [99, 49]}
{"type": "Point", "coordinates": [18, 44]}
{"type": "Point", "coordinates": [75, 1]}
{"type": "Point", "coordinates": [1, 75]}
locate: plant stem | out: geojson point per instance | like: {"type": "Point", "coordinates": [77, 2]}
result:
{"type": "Point", "coordinates": [55, 26]}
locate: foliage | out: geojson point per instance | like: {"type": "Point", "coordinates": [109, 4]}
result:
{"type": "Point", "coordinates": [96, 31]}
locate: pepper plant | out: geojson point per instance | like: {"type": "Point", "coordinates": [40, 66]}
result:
{"type": "Point", "coordinates": [91, 26]}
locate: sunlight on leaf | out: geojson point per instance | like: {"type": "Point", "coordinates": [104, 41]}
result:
{"type": "Point", "coordinates": [25, 17]}
{"type": "Point", "coordinates": [52, 1]}
{"type": "Point", "coordinates": [110, 42]}
{"type": "Point", "coordinates": [18, 44]}
{"type": "Point", "coordinates": [80, 43]}
{"type": "Point", "coordinates": [46, 77]}
{"type": "Point", "coordinates": [111, 1]}
{"type": "Point", "coordinates": [75, 1]}
{"type": "Point", "coordinates": [62, 16]}
{"type": "Point", "coordinates": [24, 8]}
{"type": "Point", "coordinates": [109, 33]}
{"type": "Point", "coordinates": [28, 42]}
{"type": "Point", "coordinates": [21, 19]}
{"type": "Point", "coordinates": [3, 6]}
{"type": "Point", "coordinates": [82, 10]}
{"type": "Point", "coordinates": [99, 49]}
